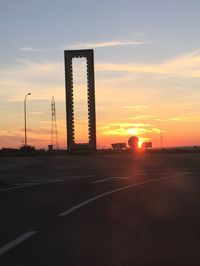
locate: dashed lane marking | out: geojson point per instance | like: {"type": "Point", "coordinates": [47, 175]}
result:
{"type": "Point", "coordinates": [16, 242]}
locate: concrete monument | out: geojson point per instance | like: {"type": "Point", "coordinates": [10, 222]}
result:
{"type": "Point", "coordinates": [89, 55]}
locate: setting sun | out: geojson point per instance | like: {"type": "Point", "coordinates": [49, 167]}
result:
{"type": "Point", "coordinates": [132, 131]}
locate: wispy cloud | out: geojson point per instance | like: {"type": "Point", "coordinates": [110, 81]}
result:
{"type": "Point", "coordinates": [112, 43]}
{"type": "Point", "coordinates": [185, 118]}
{"type": "Point", "coordinates": [32, 49]}
{"type": "Point", "coordinates": [136, 107]}
{"type": "Point", "coordinates": [143, 117]}
{"type": "Point", "coordinates": [46, 77]}
{"type": "Point", "coordinates": [125, 129]}
{"type": "Point", "coordinates": [186, 65]}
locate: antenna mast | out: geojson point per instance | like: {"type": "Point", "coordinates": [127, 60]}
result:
{"type": "Point", "coordinates": [54, 131]}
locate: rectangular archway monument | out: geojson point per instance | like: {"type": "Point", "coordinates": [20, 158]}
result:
{"type": "Point", "coordinates": [69, 84]}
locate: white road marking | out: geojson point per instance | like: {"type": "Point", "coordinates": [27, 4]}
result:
{"type": "Point", "coordinates": [111, 178]}
{"type": "Point", "coordinates": [78, 206]}
{"type": "Point", "coordinates": [46, 181]}
{"type": "Point", "coordinates": [102, 180]}
{"type": "Point", "coordinates": [131, 177]}
{"type": "Point", "coordinates": [16, 242]}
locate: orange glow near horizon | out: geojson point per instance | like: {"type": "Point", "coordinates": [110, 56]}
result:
{"type": "Point", "coordinates": [117, 120]}
{"type": "Point", "coordinates": [139, 144]}
{"type": "Point", "coordinates": [40, 138]}
{"type": "Point", "coordinates": [174, 132]}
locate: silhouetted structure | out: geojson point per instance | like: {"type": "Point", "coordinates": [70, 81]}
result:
{"type": "Point", "coordinates": [118, 146]}
{"type": "Point", "coordinates": [133, 142]}
{"type": "Point", "coordinates": [69, 55]}
{"type": "Point", "coordinates": [54, 131]}
{"type": "Point", "coordinates": [146, 145]}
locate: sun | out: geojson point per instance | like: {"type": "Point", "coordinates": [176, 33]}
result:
{"type": "Point", "coordinates": [132, 131]}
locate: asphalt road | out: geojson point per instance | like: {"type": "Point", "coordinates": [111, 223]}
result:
{"type": "Point", "coordinates": [100, 210]}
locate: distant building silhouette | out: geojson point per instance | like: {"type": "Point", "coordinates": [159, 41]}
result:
{"type": "Point", "coordinates": [89, 55]}
{"type": "Point", "coordinates": [146, 145]}
{"type": "Point", "coordinates": [118, 146]}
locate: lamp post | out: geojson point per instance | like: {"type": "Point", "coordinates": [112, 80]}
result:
{"type": "Point", "coordinates": [25, 135]}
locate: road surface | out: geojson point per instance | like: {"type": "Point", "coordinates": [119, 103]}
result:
{"type": "Point", "coordinates": [100, 210]}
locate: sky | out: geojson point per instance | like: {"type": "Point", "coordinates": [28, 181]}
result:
{"type": "Point", "coordinates": [147, 69]}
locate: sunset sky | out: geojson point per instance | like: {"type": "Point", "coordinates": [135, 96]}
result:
{"type": "Point", "coordinates": [147, 68]}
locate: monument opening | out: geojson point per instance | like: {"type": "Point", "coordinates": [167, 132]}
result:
{"type": "Point", "coordinates": [81, 131]}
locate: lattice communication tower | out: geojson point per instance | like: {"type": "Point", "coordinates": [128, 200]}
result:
{"type": "Point", "coordinates": [54, 131]}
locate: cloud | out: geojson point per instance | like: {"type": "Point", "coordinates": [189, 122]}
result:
{"type": "Point", "coordinates": [157, 130]}
{"type": "Point", "coordinates": [112, 43]}
{"type": "Point", "coordinates": [32, 49]}
{"type": "Point", "coordinates": [136, 107]}
{"type": "Point", "coordinates": [143, 117]}
{"type": "Point", "coordinates": [186, 65]}
{"type": "Point", "coordinates": [125, 129]}
{"type": "Point", "coordinates": [40, 131]}
{"type": "Point", "coordinates": [185, 118]}
{"type": "Point", "coordinates": [43, 79]}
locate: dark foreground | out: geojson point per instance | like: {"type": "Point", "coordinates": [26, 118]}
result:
{"type": "Point", "coordinates": [100, 210]}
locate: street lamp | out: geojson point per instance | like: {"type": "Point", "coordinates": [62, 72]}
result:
{"type": "Point", "coordinates": [25, 136]}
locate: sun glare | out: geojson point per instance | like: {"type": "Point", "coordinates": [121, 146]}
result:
{"type": "Point", "coordinates": [139, 144]}
{"type": "Point", "coordinates": [132, 131]}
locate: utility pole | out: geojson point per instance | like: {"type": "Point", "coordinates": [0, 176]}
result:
{"type": "Point", "coordinates": [54, 131]}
